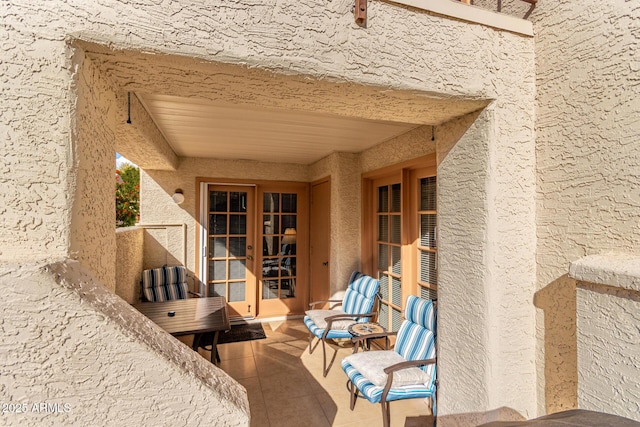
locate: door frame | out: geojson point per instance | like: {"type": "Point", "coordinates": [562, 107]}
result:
{"type": "Point", "coordinates": [202, 241]}
{"type": "Point", "coordinates": [260, 186]}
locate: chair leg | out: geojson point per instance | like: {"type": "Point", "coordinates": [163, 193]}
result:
{"type": "Point", "coordinates": [386, 416]}
{"type": "Point", "coordinates": [353, 394]}
{"type": "Point", "coordinates": [310, 342]}
{"type": "Point", "coordinates": [325, 371]}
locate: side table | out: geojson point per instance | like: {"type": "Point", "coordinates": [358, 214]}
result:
{"type": "Point", "coordinates": [361, 329]}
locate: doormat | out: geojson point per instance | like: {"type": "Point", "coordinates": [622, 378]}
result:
{"type": "Point", "coordinates": [238, 333]}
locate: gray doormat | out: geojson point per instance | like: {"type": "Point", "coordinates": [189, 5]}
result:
{"type": "Point", "coordinates": [238, 333]}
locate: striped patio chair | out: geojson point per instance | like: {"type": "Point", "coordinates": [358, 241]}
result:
{"type": "Point", "coordinates": [406, 372]}
{"type": "Point", "coordinates": [356, 306]}
{"type": "Point", "coordinates": [165, 283]}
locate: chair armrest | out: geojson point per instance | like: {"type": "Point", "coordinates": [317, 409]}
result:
{"type": "Point", "coordinates": [399, 366]}
{"type": "Point", "coordinates": [312, 304]}
{"type": "Point", "coordinates": [195, 294]}
{"type": "Point", "coordinates": [408, 364]}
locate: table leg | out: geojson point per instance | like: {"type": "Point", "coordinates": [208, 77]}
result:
{"type": "Point", "coordinates": [196, 342]}
{"type": "Point", "coordinates": [215, 359]}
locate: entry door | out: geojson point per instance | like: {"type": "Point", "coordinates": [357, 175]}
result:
{"type": "Point", "coordinates": [320, 242]}
{"type": "Point", "coordinates": [228, 264]}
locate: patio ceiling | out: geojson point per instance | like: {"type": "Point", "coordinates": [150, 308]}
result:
{"type": "Point", "coordinates": [196, 127]}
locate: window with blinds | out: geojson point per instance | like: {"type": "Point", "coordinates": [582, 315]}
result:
{"type": "Point", "coordinates": [427, 252]}
{"type": "Point", "coordinates": [389, 260]}
{"type": "Point", "coordinates": [403, 234]}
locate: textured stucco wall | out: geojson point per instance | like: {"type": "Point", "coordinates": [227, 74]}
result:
{"type": "Point", "coordinates": [68, 340]}
{"type": "Point", "coordinates": [129, 251]}
{"type": "Point", "coordinates": [588, 195]}
{"type": "Point", "coordinates": [407, 65]}
{"type": "Point", "coordinates": [608, 346]}
{"type": "Point", "coordinates": [607, 333]}
{"type": "Point", "coordinates": [93, 214]}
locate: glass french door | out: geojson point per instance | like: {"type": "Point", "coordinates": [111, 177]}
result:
{"type": "Point", "coordinates": [388, 218]}
{"type": "Point", "coordinates": [283, 249]}
{"type": "Point", "coordinates": [228, 250]}
{"type": "Point", "coordinates": [404, 227]}
{"type": "Point", "coordinates": [254, 246]}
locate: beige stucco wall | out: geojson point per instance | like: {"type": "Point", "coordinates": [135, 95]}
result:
{"type": "Point", "coordinates": [129, 253]}
{"type": "Point", "coordinates": [607, 334]}
{"type": "Point", "coordinates": [67, 340]}
{"type": "Point", "coordinates": [587, 165]}
{"type": "Point", "coordinates": [407, 65]}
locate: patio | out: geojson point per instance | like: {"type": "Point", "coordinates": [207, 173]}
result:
{"type": "Point", "coordinates": [285, 385]}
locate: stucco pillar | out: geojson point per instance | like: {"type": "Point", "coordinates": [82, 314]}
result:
{"type": "Point", "coordinates": [93, 240]}
{"type": "Point", "coordinates": [486, 320]}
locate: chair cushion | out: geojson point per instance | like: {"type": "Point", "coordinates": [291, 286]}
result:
{"type": "Point", "coordinates": [373, 393]}
{"type": "Point", "coordinates": [371, 365]}
{"type": "Point", "coordinates": [318, 318]}
{"type": "Point", "coordinates": [421, 311]}
{"type": "Point", "coordinates": [360, 295]}
{"type": "Point", "coordinates": [165, 283]}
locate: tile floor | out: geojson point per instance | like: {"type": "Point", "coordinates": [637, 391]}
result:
{"type": "Point", "coordinates": [286, 388]}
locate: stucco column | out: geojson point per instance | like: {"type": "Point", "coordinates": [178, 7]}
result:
{"type": "Point", "coordinates": [486, 242]}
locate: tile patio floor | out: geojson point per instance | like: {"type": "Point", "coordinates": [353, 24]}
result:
{"type": "Point", "coordinates": [286, 389]}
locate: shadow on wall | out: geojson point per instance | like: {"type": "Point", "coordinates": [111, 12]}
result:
{"type": "Point", "coordinates": [558, 301]}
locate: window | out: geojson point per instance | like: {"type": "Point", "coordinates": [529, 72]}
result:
{"type": "Point", "coordinates": [400, 238]}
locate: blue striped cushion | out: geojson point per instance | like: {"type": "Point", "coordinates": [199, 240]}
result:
{"type": "Point", "coordinates": [421, 312]}
{"type": "Point", "coordinates": [360, 295]}
{"type": "Point", "coordinates": [332, 334]}
{"type": "Point", "coordinates": [414, 340]}
{"type": "Point", "coordinates": [165, 283]}
{"type": "Point", "coordinates": [373, 393]}
{"type": "Point", "coordinates": [358, 299]}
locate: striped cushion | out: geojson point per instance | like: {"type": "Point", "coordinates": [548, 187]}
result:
{"type": "Point", "coordinates": [332, 334]}
{"type": "Point", "coordinates": [358, 299]}
{"type": "Point", "coordinates": [415, 341]}
{"type": "Point", "coordinates": [360, 295]}
{"type": "Point", "coordinates": [421, 312]}
{"type": "Point", "coordinates": [373, 393]}
{"type": "Point", "coordinates": [165, 283]}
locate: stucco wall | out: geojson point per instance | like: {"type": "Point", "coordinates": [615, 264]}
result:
{"type": "Point", "coordinates": [129, 251]}
{"type": "Point", "coordinates": [67, 340]}
{"type": "Point", "coordinates": [587, 164]}
{"type": "Point", "coordinates": [407, 65]}
{"type": "Point", "coordinates": [93, 214]}
{"type": "Point", "coordinates": [608, 338]}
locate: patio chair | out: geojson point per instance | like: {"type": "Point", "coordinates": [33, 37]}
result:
{"type": "Point", "coordinates": [406, 372]}
{"type": "Point", "coordinates": [165, 284]}
{"type": "Point", "coordinates": [356, 306]}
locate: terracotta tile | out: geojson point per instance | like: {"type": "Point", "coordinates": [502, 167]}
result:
{"type": "Point", "coordinates": [239, 368]}
{"type": "Point", "coordinates": [286, 387]}
{"type": "Point", "coordinates": [235, 350]}
{"type": "Point", "coordinates": [293, 412]}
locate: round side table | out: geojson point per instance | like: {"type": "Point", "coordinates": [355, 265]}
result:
{"type": "Point", "coordinates": [361, 329]}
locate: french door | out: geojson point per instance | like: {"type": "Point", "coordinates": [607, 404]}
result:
{"type": "Point", "coordinates": [228, 246]}
{"type": "Point", "coordinates": [401, 227]}
{"type": "Point", "coordinates": [253, 244]}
